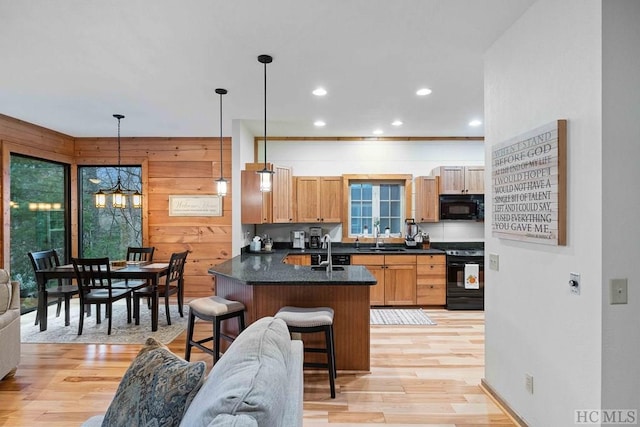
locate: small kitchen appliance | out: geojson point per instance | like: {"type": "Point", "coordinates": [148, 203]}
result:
{"type": "Point", "coordinates": [297, 239]}
{"type": "Point", "coordinates": [315, 237]}
{"type": "Point", "coordinates": [410, 232]}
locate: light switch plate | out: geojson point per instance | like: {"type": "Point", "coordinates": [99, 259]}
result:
{"type": "Point", "coordinates": [618, 291]}
{"type": "Point", "coordinates": [494, 262]}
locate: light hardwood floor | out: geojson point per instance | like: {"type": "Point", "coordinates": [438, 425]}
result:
{"type": "Point", "coordinates": [420, 375]}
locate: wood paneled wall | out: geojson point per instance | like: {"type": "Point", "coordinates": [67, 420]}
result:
{"type": "Point", "coordinates": [170, 166]}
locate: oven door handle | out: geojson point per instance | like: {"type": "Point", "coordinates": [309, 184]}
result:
{"type": "Point", "coordinates": [462, 264]}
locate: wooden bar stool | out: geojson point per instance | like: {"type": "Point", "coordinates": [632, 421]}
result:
{"type": "Point", "coordinates": [315, 319]}
{"type": "Point", "coordinates": [212, 309]}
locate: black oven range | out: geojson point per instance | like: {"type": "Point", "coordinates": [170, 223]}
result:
{"type": "Point", "coordinates": [465, 274]}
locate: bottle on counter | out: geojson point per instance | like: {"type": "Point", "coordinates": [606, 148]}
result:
{"type": "Point", "coordinates": [357, 242]}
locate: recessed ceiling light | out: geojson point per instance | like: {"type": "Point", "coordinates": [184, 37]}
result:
{"type": "Point", "coordinates": [424, 91]}
{"type": "Point", "coordinates": [319, 92]}
{"type": "Point", "coordinates": [378, 132]}
{"type": "Point", "coordinates": [319, 123]}
{"type": "Point", "coordinates": [396, 123]}
{"type": "Point", "coordinates": [475, 123]}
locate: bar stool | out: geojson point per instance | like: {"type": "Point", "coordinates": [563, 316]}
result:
{"type": "Point", "coordinates": [212, 309]}
{"type": "Point", "coordinates": [315, 319]}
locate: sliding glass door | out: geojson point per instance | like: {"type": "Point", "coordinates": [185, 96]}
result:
{"type": "Point", "coordinates": [39, 218]}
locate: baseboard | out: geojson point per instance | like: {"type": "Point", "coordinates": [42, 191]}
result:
{"type": "Point", "coordinates": [502, 403]}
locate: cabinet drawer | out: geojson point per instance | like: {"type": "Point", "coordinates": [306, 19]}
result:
{"type": "Point", "coordinates": [432, 294]}
{"type": "Point", "coordinates": [432, 259]}
{"type": "Point", "coordinates": [432, 269]}
{"type": "Point", "coordinates": [428, 280]}
{"type": "Point", "coordinates": [367, 259]}
{"type": "Point", "coordinates": [399, 259]}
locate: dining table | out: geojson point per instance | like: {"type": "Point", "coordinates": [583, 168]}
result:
{"type": "Point", "coordinates": [142, 271]}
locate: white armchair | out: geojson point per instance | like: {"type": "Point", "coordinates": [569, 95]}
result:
{"type": "Point", "coordinates": [9, 325]}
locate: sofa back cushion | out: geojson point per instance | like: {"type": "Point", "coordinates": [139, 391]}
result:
{"type": "Point", "coordinates": [5, 291]}
{"type": "Point", "coordinates": [249, 379]}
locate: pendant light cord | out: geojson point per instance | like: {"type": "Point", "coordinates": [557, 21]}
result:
{"type": "Point", "coordinates": [265, 115]}
{"type": "Point", "coordinates": [221, 136]}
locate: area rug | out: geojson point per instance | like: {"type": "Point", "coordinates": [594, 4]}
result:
{"type": "Point", "coordinates": [92, 333]}
{"type": "Point", "coordinates": [399, 316]}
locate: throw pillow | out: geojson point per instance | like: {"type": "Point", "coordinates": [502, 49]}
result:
{"type": "Point", "coordinates": [5, 291]}
{"type": "Point", "coordinates": [156, 389]}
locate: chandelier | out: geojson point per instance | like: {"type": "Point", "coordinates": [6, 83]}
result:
{"type": "Point", "coordinates": [265, 173]}
{"type": "Point", "coordinates": [118, 192]}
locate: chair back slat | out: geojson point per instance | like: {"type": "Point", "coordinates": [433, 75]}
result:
{"type": "Point", "coordinates": [92, 274]}
{"type": "Point", "coordinates": [140, 253]}
{"type": "Point", "coordinates": [42, 260]}
{"type": "Point", "coordinates": [176, 267]}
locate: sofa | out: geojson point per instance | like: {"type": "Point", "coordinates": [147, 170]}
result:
{"type": "Point", "coordinates": [258, 382]}
{"type": "Point", "coordinates": [9, 325]}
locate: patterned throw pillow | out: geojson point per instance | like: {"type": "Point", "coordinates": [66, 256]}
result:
{"type": "Point", "coordinates": [156, 389]}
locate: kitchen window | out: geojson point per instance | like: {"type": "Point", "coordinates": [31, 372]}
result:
{"type": "Point", "coordinates": [376, 203]}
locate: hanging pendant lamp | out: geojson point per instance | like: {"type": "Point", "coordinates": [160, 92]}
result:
{"type": "Point", "coordinates": [118, 192]}
{"type": "Point", "coordinates": [265, 174]}
{"type": "Point", "coordinates": [221, 183]}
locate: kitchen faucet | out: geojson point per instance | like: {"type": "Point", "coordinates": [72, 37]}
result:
{"type": "Point", "coordinates": [376, 235]}
{"type": "Point", "coordinates": [326, 243]}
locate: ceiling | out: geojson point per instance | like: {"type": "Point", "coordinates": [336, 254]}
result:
{"type": "Point", "coordinates": [69, 65]}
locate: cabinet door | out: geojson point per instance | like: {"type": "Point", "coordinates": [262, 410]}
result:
{"type": "Point", "coordinates": [427, 200]}
{"type": "Point", "coordinates": [474, 179]}
{"type": "Point", "coordinates": [400, 284]}
{"type": "Point", "coordinates": [298, 259]}
{"type": "Point", "coordinates": [331, 199]}
{"type": "Point", "coordinates": [308, 199]}
{"type": "Point", "coordinates": [282, 197]}
{"type": "Point", "coordinates": [452, 179]}
{"type": "Point", "coordinates": [375, 265]}
{"type": "Point", "coordinates": [377, 291]}
{"type": "Point", "coordinates": [255, 205]}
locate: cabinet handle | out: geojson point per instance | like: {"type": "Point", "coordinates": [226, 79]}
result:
{"type": "Point", "coordinates": [431, 267]}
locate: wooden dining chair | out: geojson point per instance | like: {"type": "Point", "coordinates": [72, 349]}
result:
{"type": "Point", "coordinates": [173, 285]}
{"type": "Point", "coordinates": [138, 254]}
{"type": "Point", "coordinates": [41, 260]}
{"type": "Point", "coordinates": [94, 282]}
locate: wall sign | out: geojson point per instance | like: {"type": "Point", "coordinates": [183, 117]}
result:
{"type": "Point", "coordinates": [529, 186]}
{"type": "Point", "coordinates": [195, 205]}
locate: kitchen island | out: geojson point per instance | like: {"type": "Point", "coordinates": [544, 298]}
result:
{"type": "Point", "coordinates": [264, 284]}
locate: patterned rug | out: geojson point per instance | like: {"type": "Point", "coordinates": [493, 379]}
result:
{"type": "Point", "coordinates": [399, 316]}
{"type": "Point", "coordinates": [92, 333]}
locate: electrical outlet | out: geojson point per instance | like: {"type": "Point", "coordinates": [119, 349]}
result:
{"type": "Point", "coordinates": [574, 283]}
{"type": "Point", "coordinates": [528, 383]}
{"type": "Point", "coordinates": [494, 262]}
{"type": "Point", "coordinates": [618, 291]}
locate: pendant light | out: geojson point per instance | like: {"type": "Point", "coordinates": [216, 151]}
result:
{"type": "Point", "coordinates": [118, 192]}
{"type": "Point", "coordinates": [265, 174]}
{"type": "Point", "coordinates": [221, 183]}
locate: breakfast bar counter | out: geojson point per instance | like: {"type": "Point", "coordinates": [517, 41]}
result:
{"type": "Point", "coordinates": [264, 284]}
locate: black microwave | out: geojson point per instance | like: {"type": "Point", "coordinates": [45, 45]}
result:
{"type": "Point", "coordinates": [462, 207]}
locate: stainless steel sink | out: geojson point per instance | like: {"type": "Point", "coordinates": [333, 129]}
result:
{"type": "Point", "coordinates": [324, 268]}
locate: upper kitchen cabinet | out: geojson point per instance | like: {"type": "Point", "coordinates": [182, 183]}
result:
{"type": "Point", "coordinates": [255, 205]}
{"type": "Point", "coordinates": [461, 179]}
{"type": "Point", "coordinates": [427, 200]}
{"type": "Point", "coordinates": [319, 199]}
{"type": "Point", "coordinates": [282, 197]}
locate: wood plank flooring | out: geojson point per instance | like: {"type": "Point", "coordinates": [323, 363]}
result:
{"type": "Point", "coordinates": [420, 375]}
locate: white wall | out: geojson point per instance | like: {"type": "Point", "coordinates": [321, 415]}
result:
{"type": "Point", "coordinates": [547, 66]}
{"type": "Point", "coordinates": [620, 203]}
{"type": "Point", "coordinates": [418, 158]}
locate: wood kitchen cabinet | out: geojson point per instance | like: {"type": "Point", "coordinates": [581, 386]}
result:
{"type": "Point", "coordinates": [461, 179]}
{"type": "Point", "coordinates": [297, 259]}
{"type": "Point", "coordinates": [282, 197]}
{"type": "Point", "coordinates": [275, 206]}
{"type": "Point", "coordinates": [318, 199]}
{"type": "Point", "coordinates": [255, 205]}
{"type": "Point", "coordinates": [427, 198]}
{"type": "Point", "coordinates": [396, 276]}
{"type": "Point", "coordinates": [431, 280]}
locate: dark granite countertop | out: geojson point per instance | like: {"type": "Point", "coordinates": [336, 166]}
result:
{"type": "Point", "coordinates": [268, 269]}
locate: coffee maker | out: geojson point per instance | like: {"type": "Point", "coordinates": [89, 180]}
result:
{"type": "Point", "coordinates": [315, 237]}
{"type": "Point", "coordinates": [297, 239]}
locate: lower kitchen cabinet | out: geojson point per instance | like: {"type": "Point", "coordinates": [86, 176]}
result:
{"type": "Point", "coordinates": [431, 280]}
{"type": "Point", "coordinates": [396, 276]}
{"type": "Point", "coordinates": [298, 259]}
